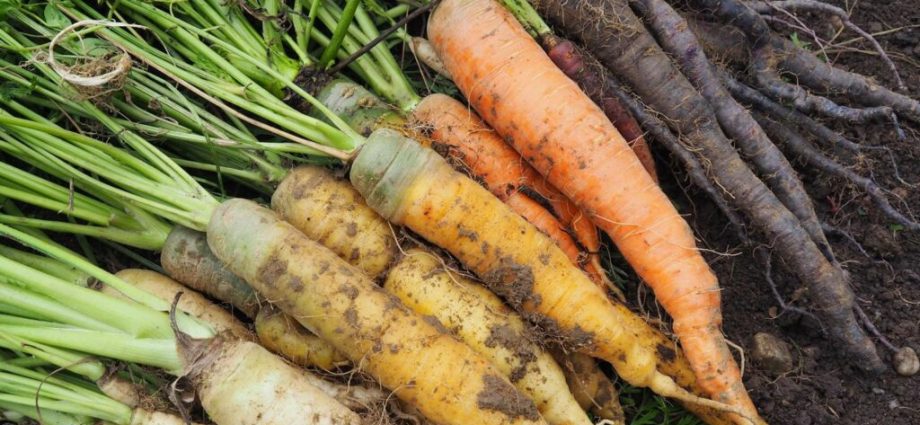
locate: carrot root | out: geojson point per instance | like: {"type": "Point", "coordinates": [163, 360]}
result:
{"type": "Point", "coordinates": [415, 187]}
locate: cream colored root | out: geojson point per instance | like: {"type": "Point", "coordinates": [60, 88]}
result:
{"type": "Point", "coordinates": [191, 302]}
{"type": "Point", "coordinates": [425, 53]}
{"type": "Point", "coordinates": [241, 383]}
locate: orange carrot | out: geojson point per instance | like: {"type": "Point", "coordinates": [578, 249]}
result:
{"type": "Point", "coordinates": [565, 136]}
{"type": "Point", "coordinates": [502, 170]}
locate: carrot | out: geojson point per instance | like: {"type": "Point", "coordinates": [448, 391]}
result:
{"type": "Point", "coordinates": [187, 258]}
{"type": "Point", "coordinates": [281, 334]}
{"type": "Point", "coordinates": [445, 379]}
{"type": "Point", "coordinates": [354, 396]}
{"type": "Point", "coordinates": [359, 108]}
{"type": "Point", "coordinates": [507, 174]}
{"type": "Point", "coordinates": [582, 68]}
{"type": "Point", "coordinates": [456, 129]}
{"type": "Point", "coordinates": [331, 212]}
{"type": "Point", "coordinates": [425, 285]}
{"type": "Point", "coordinates": [570, 141]}
{"type": "Point", "coordinates": [243, 383]}
{"type": "Point", "coordinates": [590, 75]}
{"type": "Point", "coordinates": [413, 186]}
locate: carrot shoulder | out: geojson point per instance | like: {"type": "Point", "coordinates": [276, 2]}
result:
{"type": "Point", "coordinates": [545, 116]}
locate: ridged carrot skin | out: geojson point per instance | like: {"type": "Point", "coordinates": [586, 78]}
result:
{"type": "Point", "coordinates": [546, 117]}
{"type": "Point", "coordinates": [415, 187]}
{"type": "Point", "coordinates": [457, 131]}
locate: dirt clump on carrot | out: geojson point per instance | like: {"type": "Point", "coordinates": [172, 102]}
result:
{"type": "Point", "coordinates": [590, 386]}
{"type": "Point", "coordinates": [498, 395]}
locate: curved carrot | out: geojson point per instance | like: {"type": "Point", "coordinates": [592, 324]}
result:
{"type": "Point", "coordinates": [564, 135]}
{"type": "Point", "coordinates": [455, 128]}
{"type": "Point", "coordinates": [415, 187]}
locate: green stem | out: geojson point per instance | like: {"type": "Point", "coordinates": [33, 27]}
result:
{"type": "Point", "coordinates": [49, 265]}
{"type": "Point", "coordinates": [339, 33]}
{"type": "Point", "coordinates": [397, 11]}
{"type": "Point", "coordinates": [74, 362]}
{"type": "Point", "coordinates": [528, 17]}
{"type": "Point", "coordinates": [47, 308]}
{"type": "Point", "coordinates": [161, 353]}
{"type": "Point", "coordinates": [118, 313]}
{"type": "Point", "coordinates": [149, 239]}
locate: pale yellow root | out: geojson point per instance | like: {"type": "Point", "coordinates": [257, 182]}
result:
{"type": "Point", "coordinates": [190, 302]}
{"type": "Point", "coordinates": [448, 381]}
{"type": "Point", "coordinates": [281, 334]}
{"type": "Point", "coordinates": [423, 284]}
{"type": "Point", "coordinates": [590, 386]}
{"type": "Point", "coordinates": [330, 211]}
{"type": "Point", "coordinates": [241, 383]}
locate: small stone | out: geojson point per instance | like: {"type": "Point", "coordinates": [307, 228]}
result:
{"type": "Point", "coordinates": [906, 362]}
{"type": "Point", "coordinates": [894, 404]}
{"type": "Point", "coordinates": [772, 354]}
{"type": "Point", "coordinates": [877, 390]}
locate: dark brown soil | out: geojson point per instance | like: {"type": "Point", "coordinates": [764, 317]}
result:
{"type": "Point", "coordinates": [824, 388]}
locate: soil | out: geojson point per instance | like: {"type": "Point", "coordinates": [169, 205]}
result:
{"type": "Point", "coordinates": [823, 388]}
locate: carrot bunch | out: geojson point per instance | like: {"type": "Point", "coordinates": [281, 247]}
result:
{"type": "Point", "coordinates": [321, 275]}
{"type": "Point", "coordinates": [545, 116]}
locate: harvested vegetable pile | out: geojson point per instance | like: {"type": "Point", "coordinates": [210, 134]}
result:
{"type": "Point", "coordinates": [453, 212]}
